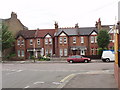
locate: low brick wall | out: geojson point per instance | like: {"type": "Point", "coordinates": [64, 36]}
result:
{"type": "Point", "coordinates": [117, 74]}
{"type": "Point", "coordinates": [58, 59]}
{"type": "Point", "coordinates": [119, 78]}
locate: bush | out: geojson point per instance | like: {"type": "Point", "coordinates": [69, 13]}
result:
{"type": "Point", "coordinates": [48, 55]}
{"type": "Point", "coordinates": [43, 58]}
{"type": "Point", "coordinates": [100, 50]}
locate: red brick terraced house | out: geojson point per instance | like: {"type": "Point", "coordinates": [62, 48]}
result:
{"type": "Point", "coordinates": [60, 42]}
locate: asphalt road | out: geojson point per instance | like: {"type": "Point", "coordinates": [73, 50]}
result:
{"type": "Point", "coordinates": [47, 75]}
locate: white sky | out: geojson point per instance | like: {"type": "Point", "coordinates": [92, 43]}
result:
{"type": "Point", "coordinates": [43, 13]}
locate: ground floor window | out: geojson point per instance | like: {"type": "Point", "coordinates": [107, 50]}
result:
{"type": "Point", "coordinates": [50, 52]}
{"type": "Point", "coordinates": [18, 53]}
{"type": "Point", "coordinates": [46, 52]}
{"type": "Point", "coordinates": [22, 53]}
{"type": "Point", "coordinates": [65, 52]}
{"type": "Point", "coordinates": [61, 52]}
{"type": "Point", "coordinates": [92, 51]}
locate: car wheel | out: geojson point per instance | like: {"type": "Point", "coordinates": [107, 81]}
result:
{"type": "Point", "coordinates": [107, 60]}
{"type": "Point", "coordinates": [86, 61]}
{"type": "Point", "coordinates": [71, 61]}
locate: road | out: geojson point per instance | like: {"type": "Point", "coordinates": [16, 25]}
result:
{"type": "Point", "coordinates": [48, 75]}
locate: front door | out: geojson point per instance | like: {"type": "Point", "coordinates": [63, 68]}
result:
{"type": "Point", "coordinates": [31, 54]}
{"type": "Point", "coordinates": [82, 52]}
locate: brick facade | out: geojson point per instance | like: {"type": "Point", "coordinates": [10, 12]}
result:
{"type": "Point", "coordinates": [61, 42]}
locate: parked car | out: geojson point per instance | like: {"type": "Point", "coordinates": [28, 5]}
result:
{"type": "Point", "coordinates": [108, 55]}
{"type": "Point", "coordinates": [78, 58]}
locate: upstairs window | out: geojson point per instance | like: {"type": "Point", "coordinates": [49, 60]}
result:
{"type": "Point", "coordinates": [82, 39]}
{"type": "Point", "coordinates": [38, 41]}
{"type": "Point", "coordinates": [65, 40]}
{"type": "Point", "coordinates": [74, 40]}
{"type": "Point", "coordinates": [31, 42]}
{"type": "Point", "coordinates": [18, 42]}
{"type": "Point", "coordinates": [46, 41]}
{"type": "Point", "coordinates": [22, 43]}
{"type": "Point", "coordinates": [92, 39]}
{"type": "Point", "coordinates": [60, 40]}
{"type": "Point", "coordinates": [95, 39]}
{"type": "Point", "coordinates": [50, 40]}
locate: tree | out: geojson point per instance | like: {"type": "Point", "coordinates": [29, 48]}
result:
{"type": "Point", "coordinates": [7, 38]}
{"type": "Point", "coordinates": [103, 39]}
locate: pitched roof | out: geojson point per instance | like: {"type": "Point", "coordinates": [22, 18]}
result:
{"type": "Point", "coordinates": [76, 31]}
{"type": "Point", "coordinates": [35, 33]}
{"type": "Point", "coordinates": [68, 31]}
{"type": "Point", "coordinates": [44, 32]}
{"type": "Point", "coordinates": [87, 30]}
{"type": "Point", "coordinates": [26, 33]}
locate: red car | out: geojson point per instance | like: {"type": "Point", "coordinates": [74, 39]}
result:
{"type": "Point", "coordinates": [78, 58]}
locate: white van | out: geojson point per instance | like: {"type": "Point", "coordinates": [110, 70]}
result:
{"type": "Point", "coordinates": [108, 55]}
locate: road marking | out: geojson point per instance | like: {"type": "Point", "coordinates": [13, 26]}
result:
{"type": "Point", "coordinates": [57, 83]}
{"type": "Point", "coordinates": [19, 71]}
{"type": "Point", "coordinates": [65, 80]}
{"type": "Point", "coordinates": [38, 82]}
{"type": "Point", "coordinates": [27, 87]}
{"type": "Point", "coordinates": [14, 71]}
{"type": "Point", "coordinates": [67, 77]}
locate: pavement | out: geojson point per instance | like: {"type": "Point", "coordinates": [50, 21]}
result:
{"type": "Point", "coordinates": [51, 61]}
{"type": "Point", "coordinates": [92, 81]}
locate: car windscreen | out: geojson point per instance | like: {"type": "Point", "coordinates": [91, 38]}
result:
{"type": "Point", "coordinates": [78, 56]}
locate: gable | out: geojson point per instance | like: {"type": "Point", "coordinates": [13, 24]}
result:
{"type": "Point", "coordinates": [47, 36]}
{"type": "Point", "coordinates": [94, 33]}
{"type": "Point", "coordinates": [62, 34]}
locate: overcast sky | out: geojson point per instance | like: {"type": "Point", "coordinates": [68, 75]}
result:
{"type": "Point", "coordinates": [43, 13]}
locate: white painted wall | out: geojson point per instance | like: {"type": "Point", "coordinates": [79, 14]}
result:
{"type": "Point", "coordinates": [62, 34]}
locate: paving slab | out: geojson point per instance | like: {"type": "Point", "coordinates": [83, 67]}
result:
{"type": "Point", "coordinates": [92, 81]}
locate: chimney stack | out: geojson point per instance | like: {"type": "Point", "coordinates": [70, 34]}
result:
{"type": "Point", "coordinates": [13, 15]}
{"type": "Point", "coordinates": [98, 24]}
{"type": "Point", "coordinates": [76, 25]}
{"type": "Point", "coordinates": [56, 26]}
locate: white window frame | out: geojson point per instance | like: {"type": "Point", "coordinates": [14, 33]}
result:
{"type": "Point", "coordinates": [46, 40]}
{"type": "Point", "coordinates": [18, 42]}
{"type": "Point", "coordinates": [22, 53]}
{"type": "Point", "coordinates": [65, 52]}
{"type": "Point", "coordinates": [92, 39]}
{"type": "Point", "coordinates": [38, 41]}
{"type": "Point", "coordinates": [50, 52]}
{"type": "Point", "coordinates": [22, 42]}
{"type": "Point", "coordinates": [46, 51]}
{"type": "Point", "coordinates": [18, 53]}
{"type": "Point", "coordinates": [61, 52]}
{"type": "Point", "coordinates": [95, 39]}
{"type": "Point", "coordinates": [65, 40]}
{"type": "Point", "coordinates": [92, 50]}
{"type": "Point", "coordinates": [50, 40]}
{"type": "Point", "coordinates": [31, 42]}
{"type": "Point", "coordinates": [60, 40]}
{"type": "Point", "coordinates": [74, 40]}
{"type": "Point", "coordinates": [82, 39]}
